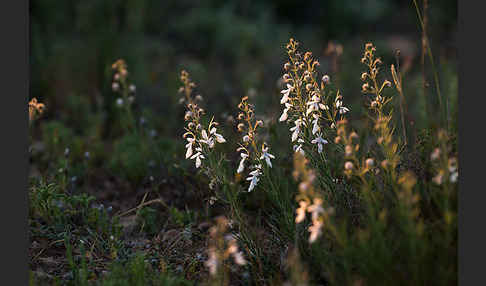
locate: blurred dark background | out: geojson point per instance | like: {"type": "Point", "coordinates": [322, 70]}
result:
{"type": "Point", "coordinates": [231, 48]}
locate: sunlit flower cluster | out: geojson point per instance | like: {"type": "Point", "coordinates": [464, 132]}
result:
{"type": "Point", "coordinates": [382, 121]}
{"type": "Point", "coordinates": [250, 154]}
{"type": "Point", "coordinates": [223, 245]}
{"type": "Point", "coordinates": [370, 77]}
{"type": "Point", "coordinates": [35, 109]}
{"type": "Point", "coordinates": [307, 104]}
{"type": "Point", "coordinates": [309, 200]}
{"type": "Point", "coordinates": [199, 138]}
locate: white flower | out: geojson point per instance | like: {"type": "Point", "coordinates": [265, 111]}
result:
{"type": "Point", "coordinates": [319, 141]}
{"type": "Point", "coordinates": [286, 93]}
{"type": "Point", "coordinates": [316, 208]}
{"type": "Point", "coordinates": [212, 262]}
{"type": "Point", "coordinates": [219, 137]}
{"type": "Point", "coordinates": [454, 176]}
{"type": "Point", "coordinates": [315, 230]}
{"type": "Point", "coordinates": [267, 156]}
{"type": "Point", "coordinates": [298, 148]}
{"type": "Point", "coordinates": [189, 147]}
{"type": "Point", "coordinates": [206, 139]}
{"type": "Point", "coordinates": [340, 107]}
{"type": "Point", "coordinates": [239, 259]}
{"type": "Point", "coordinates": [284, 115]}
{"type": "Point", "coordinates": [253, 178]}
{"type": "Point", "coordinates": [198, 156]}
{"type": "Point", "coordinates": [301, 212]}
{"type": "Point", "coordinates": [315, 125]}
{"type": "Point", "coordinates": [119, 101]}
{"type": "Point", "coordinates": [313, 104]}
{"type": "Point", "coordinates": [241, 166]}
{"type": "Point", "coordinates": [296, 129]}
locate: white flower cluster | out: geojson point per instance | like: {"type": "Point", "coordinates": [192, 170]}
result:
{"type": "Point", "coordinates": [205, 138]}
{"type": "Point", "coordinates": [248, 146]}
{"type": "Point", "coordinates": [254, 176]}
{"type": "Point", "coordinates": [199, 139]}
{"type": "Point", "coordinates": [304, 101]}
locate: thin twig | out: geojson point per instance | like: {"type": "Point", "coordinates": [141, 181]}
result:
{"type": "Point", "coordinates": [159, 200]}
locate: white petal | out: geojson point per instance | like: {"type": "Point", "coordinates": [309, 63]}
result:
{"type": "Point", "coordinates": [204, 135]}
{"type": "Point", "coordinates": [284, 99]}
{"type": "Point", "coordinates": [284, 116]}
{"type": "Point", "coordinates": [295, 135]}
{"type": "Point", "coordinates": [219, 138]}
{"type": "Point", "coordinates": [267, 159]}
{"type": "Point", "coordinates": [241, 167]}
{"type": "Point", "coordinates": [189, 151]}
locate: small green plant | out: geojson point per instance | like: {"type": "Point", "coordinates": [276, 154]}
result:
{"type": "Point", "coordinates": [136, 271]}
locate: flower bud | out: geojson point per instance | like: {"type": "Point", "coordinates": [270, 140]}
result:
{"type": "Point", "coordinates": [369, 162]}
{"type": "Point", "coordinates": [348, 150]}
{"type": "Point", "coordinates": [348, 165]}
{"type": "Point", "coordinates": [241, 127]}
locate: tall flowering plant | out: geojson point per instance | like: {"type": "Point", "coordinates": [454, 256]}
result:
{"type": "Point", "coordinates": [308, 104]}
{"type": "Point", "coordinates": [250, 153]}
{"type": "Point", "coordinates": [201, 139]}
